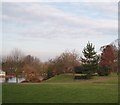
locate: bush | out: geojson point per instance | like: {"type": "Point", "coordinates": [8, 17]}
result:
{"type": "Point", "coordinates": [49, 73]}
{"type": "Point", "coordinates": [104, 70]}
{"type": "Point", "coordinates": [87, 69]}
{"type": "Point", "coordinates": [79, 69]}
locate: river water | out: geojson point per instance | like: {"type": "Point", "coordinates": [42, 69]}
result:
{"type": "Point", "coordinates": [11, 80]}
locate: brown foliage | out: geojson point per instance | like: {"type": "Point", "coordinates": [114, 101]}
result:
{"type": "Point", "coordinates": [108, 56]}
{"type": "Point", "coordinates": [30, 73]}
{"type": "Point", "coordinates": [64, 63]}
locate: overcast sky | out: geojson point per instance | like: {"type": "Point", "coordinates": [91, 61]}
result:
{"type": "Point", "coordinates": [48, 29]}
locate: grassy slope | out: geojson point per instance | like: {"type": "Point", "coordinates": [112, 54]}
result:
{"type": "Point", "coordinates": [68, 78]}
{"type": "Point", "coordinates": [97, 90]}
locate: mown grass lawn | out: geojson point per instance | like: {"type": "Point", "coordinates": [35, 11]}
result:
{"type": "Point", "coordinates": [96, 90]}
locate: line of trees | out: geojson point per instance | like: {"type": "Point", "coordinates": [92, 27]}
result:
{"type": "Point", "coordinates": [64, 63]}
{"type": "Point", "coordinates": [102, 64]}
{"type": "Point", "coordinates": [17, 64]}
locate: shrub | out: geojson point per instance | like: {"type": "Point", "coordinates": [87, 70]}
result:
{"type": "Point", "coordinates": [49, 73]}
{"type": "Point", "coordinates": [104, 70]}
{"type": "Point", "coordinates": [79, 69]}
{"type": "Point", "coordinates": [87, 69]}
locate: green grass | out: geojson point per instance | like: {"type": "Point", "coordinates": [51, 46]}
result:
{"type": "Point", "coordinates": [61, 78]}
{"type": "Point", "coordinates": [68, 78]}
{"type": "Point", "coordinates": [96, 90]}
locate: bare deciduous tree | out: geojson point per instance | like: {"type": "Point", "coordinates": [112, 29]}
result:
{"type": "Point", "coordinates": [13, 63]}
{"type": "Point", "coordinates": [64, 63]}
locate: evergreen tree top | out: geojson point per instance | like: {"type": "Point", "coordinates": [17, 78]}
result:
{"type": "Point", "coordinates": [89, 53]}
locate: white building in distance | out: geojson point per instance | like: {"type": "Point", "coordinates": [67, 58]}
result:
{"type": "Point", "coordinates": [2, 73]}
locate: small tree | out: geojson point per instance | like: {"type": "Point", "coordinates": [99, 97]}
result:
{"type": "Point", "coordinates": [103, 70]}
{"type": "Point", "coordinates": [31, 73]}
{"type": "Point", "coordinates": [13, 63]}
{"type": "Point", "coordinates": [17, 56]}
{"type": "Point", "coordinates": [107, 56]}
{"type": "Point", "coordinates": [107, 60]}
{"type": "Point", "coordinates": [49, 73]}
{"type": "Point", "coordinates": [64, 63]}
{"type": "Point", "coordinates": [89, 54]}
{"type": "Point", "coordinates": [90, 60]}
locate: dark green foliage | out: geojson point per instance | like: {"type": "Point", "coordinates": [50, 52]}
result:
{"type": "Point", "coordinates": [49, 73]}
{"type": "Point", "coordinates": [83, 69]}
{"type": "Point", "coordinates": [104, 70]}
{"type": "Point", "coordinates": [89, 54]}
{"type": "Point", "coordinates": [90, 60]}
{"type": "Point", "coordinates": [81, 77]}
{"type": "Point", "coordinates": [78, 69]}
{"type": "Point", "coordinates": [87, 69]}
